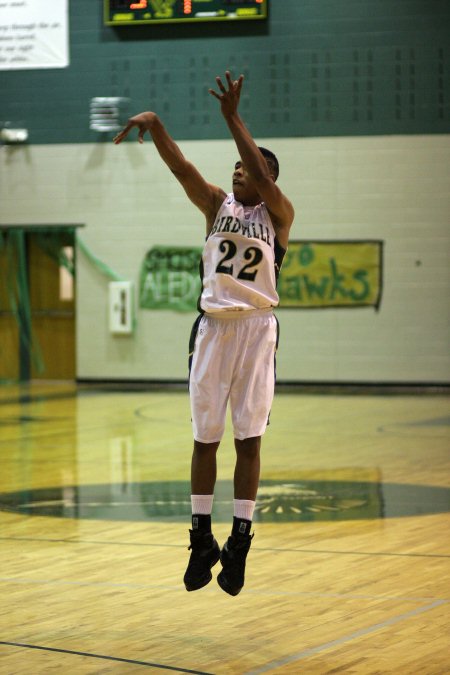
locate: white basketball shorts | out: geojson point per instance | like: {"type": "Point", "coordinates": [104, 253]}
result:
{"type": "Point", "coordinates": [232, 359]}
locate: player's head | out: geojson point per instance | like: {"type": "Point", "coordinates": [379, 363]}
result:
{"type": "Point", "coordinates": [272, 161]}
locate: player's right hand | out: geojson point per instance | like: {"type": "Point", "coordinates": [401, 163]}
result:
{"type": "Point", "coordinates": [143, 122]}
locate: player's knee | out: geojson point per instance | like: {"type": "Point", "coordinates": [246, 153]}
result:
{"type": "Point", "coordinates": [249, 447]}
{"type": "Point", "coordinates": [204, 449]}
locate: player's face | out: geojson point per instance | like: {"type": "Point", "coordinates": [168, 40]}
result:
{"type": "Point", "coordinates": [243, 187]}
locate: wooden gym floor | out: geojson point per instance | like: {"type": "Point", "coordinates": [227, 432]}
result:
{"type": "Point", "coordinates": [349, 567]}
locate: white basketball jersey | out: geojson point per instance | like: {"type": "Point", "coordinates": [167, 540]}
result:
{"type": "Point", "coordinates": [241, 260]}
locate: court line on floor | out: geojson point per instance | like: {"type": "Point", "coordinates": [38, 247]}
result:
{"type": "Point", "coordinates": [213, 589]}
{"type": "Point", "coordinates": [254, 548]}
{"type": "Point", "coordinates": [293, 658]}
{"type": "Point", "coordinates": [103, 656]}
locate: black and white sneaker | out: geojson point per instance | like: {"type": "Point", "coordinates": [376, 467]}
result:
{"type": "Point", "coordinates": [233, 556]}
{"type": "Point", "coordinates": [205, 554]}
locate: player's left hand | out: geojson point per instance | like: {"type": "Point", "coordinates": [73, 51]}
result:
{"type": "Point", "coordinates": [229, 98]}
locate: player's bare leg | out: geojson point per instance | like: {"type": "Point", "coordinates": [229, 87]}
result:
{"type": "Point", "coordinates": [246, 480]}
{"type": "Point", "coordinates": [204, 468]}
{"type": "Point", "coordinates": [248, 465]}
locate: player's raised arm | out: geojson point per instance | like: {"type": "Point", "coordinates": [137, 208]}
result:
{"type": "Point", "coordinates": [258, 168]}
{"type": "Point", "coordinates": [204, 195]}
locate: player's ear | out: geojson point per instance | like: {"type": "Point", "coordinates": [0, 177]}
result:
{"type": "Point", "coordinates": [272, 170]}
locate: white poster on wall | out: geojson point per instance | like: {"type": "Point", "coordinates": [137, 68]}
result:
{"type": "Point", "coordinates": [33, 34]}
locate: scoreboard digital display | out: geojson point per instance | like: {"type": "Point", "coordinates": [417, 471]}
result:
{"type": "Point", "coordinates": [134, 12]}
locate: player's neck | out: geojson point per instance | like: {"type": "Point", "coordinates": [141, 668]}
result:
{"type": "Point", "coordinates": [249, 201]}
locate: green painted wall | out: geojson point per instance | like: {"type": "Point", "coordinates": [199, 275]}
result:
{"type": "Point", "coordinates": [315, 68]}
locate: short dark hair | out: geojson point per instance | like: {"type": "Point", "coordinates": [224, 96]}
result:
{"type": "Point", "coordinates": [271, 158]}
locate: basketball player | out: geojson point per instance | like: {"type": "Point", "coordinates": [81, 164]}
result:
{"type": "Point", "coordinates": [233, 341]}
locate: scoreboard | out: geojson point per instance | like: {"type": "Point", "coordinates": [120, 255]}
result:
{"type": "Point", "coordinates": [134, 12]}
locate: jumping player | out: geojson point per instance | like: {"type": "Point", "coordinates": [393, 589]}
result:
{"type": "Point", "coordinates": [233, 341]}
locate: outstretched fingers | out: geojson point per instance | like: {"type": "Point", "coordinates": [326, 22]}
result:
{"type": "Point", "coordinates": [234, 86]}
{"type": "Point", "coordinates": [220, 84]}
{"type": "Point", "coordinates": [123, 134]}
{"type": "Point", "coordinates": [214, 93]}
{"type": "Point", "coordinates": [238, 84]}
{"type": "Point", "coordinates": [221, 87]}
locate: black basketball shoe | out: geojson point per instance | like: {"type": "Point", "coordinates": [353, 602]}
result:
{"type": "Point", "coordinates": [233, 556]}
{"type": "Point", "coordinates": [205, 554]}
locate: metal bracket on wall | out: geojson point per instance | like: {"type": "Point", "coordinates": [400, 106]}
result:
{"type": "Point", "coordinates": [10, 134]}
{"type": "Point", "coordinates": [107, 113]}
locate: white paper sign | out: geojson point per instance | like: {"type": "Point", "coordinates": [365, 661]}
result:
{"type": "Point", "coordinates": [33, 34]}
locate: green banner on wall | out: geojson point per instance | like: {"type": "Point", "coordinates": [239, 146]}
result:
{"type": "Point", "coordinates": [315, 274]}
{"type": "Point", "coordinates": [170, 278]}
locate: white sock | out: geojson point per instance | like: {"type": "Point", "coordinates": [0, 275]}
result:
{"type": "Point", "coordinates": [243, 508]}
{"type": "Point", "coordinates": [202, 504]}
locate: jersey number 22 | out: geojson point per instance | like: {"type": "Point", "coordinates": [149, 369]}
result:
{"type": "Point", "coordinates": [249, 271]}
